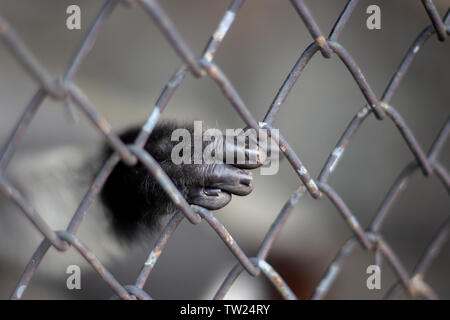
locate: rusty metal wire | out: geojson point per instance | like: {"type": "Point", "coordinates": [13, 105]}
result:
{"type": "Point", "coordinates": [63, 89]}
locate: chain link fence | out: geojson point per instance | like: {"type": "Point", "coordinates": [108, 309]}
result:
{"type": "Point", "coordinates": [64, 89]}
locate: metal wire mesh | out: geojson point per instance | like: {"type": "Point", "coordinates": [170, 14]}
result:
{"type": "Point", "coordinates": [64, 89]}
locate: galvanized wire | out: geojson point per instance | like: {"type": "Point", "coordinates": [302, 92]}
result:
{"type": "Point", "coordinates": [64, 89]}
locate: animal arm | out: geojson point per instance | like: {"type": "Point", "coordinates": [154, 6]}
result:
{"type": "Point", "coordinates": [135, 201]}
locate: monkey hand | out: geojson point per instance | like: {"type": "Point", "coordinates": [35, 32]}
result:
{"type": "Point", "coordinates": [134, 199]}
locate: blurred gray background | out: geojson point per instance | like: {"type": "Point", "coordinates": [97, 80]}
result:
{"type": "Point", "coordinates": [129, 66]}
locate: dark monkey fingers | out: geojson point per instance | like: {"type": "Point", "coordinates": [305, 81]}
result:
{"type": "Point", "coordinates": [135, 201]}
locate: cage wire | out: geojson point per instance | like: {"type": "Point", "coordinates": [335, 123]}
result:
{"type": "Point", "coordinates": [63, 89]}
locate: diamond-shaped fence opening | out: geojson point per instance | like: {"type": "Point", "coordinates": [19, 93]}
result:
{"type": "Point", "coordinates": [64, 89]}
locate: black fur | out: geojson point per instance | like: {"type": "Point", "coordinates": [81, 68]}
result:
{"type": "Point", "coordinates": [132, 196]}
{"type": "Point", "coordinates": [134, 199]}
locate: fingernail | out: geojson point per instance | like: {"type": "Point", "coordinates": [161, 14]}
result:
{"type": "Point", "coordinates": [212, 192]}
{"type": "Point", "coordinates": [245, 178]}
